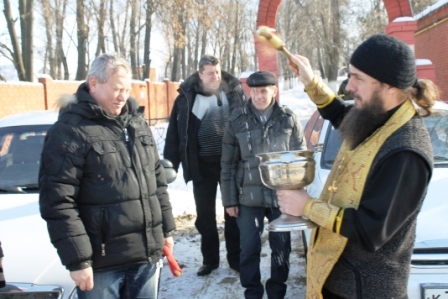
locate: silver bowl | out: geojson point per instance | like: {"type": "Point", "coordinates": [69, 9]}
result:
{"type": "Point", "coordinates": [287, 170]}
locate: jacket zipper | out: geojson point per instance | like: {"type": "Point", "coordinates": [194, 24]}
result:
{"type": "Point", "coordinates": [186, 127]}
{"type": "Point", "coordinates": [103, 232]}
{"type": "Point", "coordinates": [126, 135]}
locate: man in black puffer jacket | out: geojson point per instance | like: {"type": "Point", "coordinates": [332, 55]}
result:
{"type": "Point", "coordinates": [103, 190]}
{"type": "Point", "coordinates": [194, 137]}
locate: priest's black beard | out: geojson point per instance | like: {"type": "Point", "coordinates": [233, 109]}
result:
{"type": "Point", "coordinates": [361, 122]}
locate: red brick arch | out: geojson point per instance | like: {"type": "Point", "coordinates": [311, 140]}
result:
{"type": "Point", "coordinates": [267, 16]}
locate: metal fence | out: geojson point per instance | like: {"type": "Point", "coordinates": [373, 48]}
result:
{"type": "Point", "coordinates": [158, 127]}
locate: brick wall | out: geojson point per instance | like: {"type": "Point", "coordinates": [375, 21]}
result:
{"type": "Point", "coordinates": [431, 43]}
{"type": "Point", "coordinates": [21, 97]}
{"type": "Point", "coordinates": [157, 97]}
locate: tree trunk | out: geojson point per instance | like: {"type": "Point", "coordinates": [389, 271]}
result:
{"type": "Point", "coordinates": [176, 64]}
{"type": "Point", "coordinates": [17, 53]}
{"type": "Point", "coordinates": [147, 47]}
{"type": "Point", "coordinates": [231, 68]}
{"type": "Point", "coordinates": [132, 39]}
{"type": "Point", "coordinates": [101, 19]}
{"type": "Point", "coordinates": [83, 34]}
{"type": "Point", "coordinates": [48, 16]}
{"type": "Point", "coordinates": [123, 39]}
{"type": "Point", "coordinates": [112, 26]}
{"type": "Point", "coordinates": [333, 50]}
{"type": "Point", "coordinates": [26, 8]}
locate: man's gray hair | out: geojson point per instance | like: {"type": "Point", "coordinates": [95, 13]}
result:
{"type": "Point", "coordinates": [105, 65]}
{"type": "Point", "coordinates": [207, 60]}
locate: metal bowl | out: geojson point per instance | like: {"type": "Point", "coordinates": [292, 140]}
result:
{"type": "Point", "coordinates": [287, 170]}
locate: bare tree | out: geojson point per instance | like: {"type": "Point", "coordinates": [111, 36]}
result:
{"type": "Point", "coordinates": [48, 17]}
{"type": "Point", "coordinates": [83, 35]}
{"type": "Point", "coordinates": [21, 53]}
{"type": "Point", "coordinates": [112, 26]}
{"type": "Point", "coordinates": [61, 59]}
{"type": "Point", "coordinates": [101, 16]}
{"type": "Point", "coordinates": [321, 30]}
{"type": "Point", "coordinates": [118, 19]}
{"type": "Point", "coordinates": [150, 9]}
{"type": "Point", "coordinates": [133, 38]}
{"type": "Point", "coordinates": [26, 9]}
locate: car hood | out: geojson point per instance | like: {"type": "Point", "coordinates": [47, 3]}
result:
{"type": "Point", "coordinates": [29, 255]}
{"type": "Point", "coordinates": [432, 221]}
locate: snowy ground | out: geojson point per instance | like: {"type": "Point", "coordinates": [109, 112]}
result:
{"type": "Point", "coordinates": [224, 282]}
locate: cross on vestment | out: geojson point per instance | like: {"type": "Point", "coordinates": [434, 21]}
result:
{"type": "Point", "coordinates": [333, 190]}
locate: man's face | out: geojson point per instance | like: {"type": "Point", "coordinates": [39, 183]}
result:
{"type": "Point", "coordinates": [263, 96]}
{"type": "Point", "coordinates": [211, 77]}
{"type": "Point", "coordinates": [363, 88]}
{"type": "Point", "coordinates": [112, 95]}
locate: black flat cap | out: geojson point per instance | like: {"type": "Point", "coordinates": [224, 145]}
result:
{"type": "Point", "coordinates": [261, 78]}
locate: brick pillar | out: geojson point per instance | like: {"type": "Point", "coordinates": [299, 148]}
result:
{"type": "Point", "coordinates": [45, 80]}
{"type": "Point", "coordinates": [397, 8]}
{"type": "Point", "coordinates": [243, 79]}
{"type": "Point", "coordinates": [266, 54]}
{"type": "Point", "coordinates": [153, 74]}
{"type": "Point", "coordinates": [168, 95]}
{"type": "Point", "coordinates": [404, 29]}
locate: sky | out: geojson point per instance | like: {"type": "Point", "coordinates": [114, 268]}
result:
{"type": "Point", "coordinates": [223, 283]}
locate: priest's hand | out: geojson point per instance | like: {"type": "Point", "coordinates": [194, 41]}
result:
{"type": "Point", "coordinates": [300, 65]}
{"type": "Point", "coordinates": [292, 202]}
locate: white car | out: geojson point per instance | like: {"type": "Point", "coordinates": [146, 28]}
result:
{"type": "Point", "coordinates": [429, 267]}
{"type": "Point", "coordinates": [31, 263]}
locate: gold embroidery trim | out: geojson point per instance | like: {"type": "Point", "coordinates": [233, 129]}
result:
{"type": "Point", "coordinates": [321, 213]}
{"type": "Point", "coordinates": [320, 93]}
{"type": "Point", "coordinates": [339, 218]}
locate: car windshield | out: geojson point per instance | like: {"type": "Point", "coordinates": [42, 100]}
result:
{"type": "Point", "coordinates": [20, 149]}
{"type": "Point", "coordinates": [437, 125]}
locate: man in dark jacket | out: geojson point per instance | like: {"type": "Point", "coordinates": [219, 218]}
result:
{"type": "Point", "coordinates": [262, 126]}
{"type": "Point", "coordinates": [367, 211]}
{"type": "Point", "coordinates": [2, 276]}
{"type": "Point", "coordinates": [194, 137]}
{"type": "Point", "coordinates": [343, 92]}
{"type": "Point", "coordinates": [103, 190]}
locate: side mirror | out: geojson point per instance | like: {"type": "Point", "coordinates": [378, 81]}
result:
{"type": "Point", "coordinates": [170, 173]}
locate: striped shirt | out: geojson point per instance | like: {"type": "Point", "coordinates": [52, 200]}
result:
{"type": "Point", "coordinates": [213, 112]}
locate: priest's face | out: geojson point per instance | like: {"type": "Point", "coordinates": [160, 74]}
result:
{"type": "Point", "coordinates": [366, 89]}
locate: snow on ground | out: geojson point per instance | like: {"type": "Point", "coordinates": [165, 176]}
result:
{"type": "Point", "coordinates": [224, 282]}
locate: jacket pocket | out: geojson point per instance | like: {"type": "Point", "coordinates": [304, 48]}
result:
{"type": "Point", "coordinates": [147, 149]}
{"type": "Point", "coordinates": [104, 161]}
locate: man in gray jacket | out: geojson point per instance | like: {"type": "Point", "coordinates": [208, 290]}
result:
{"type": "Point", "coordinates": [261, 126]}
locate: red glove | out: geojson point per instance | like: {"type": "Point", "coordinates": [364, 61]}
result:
{"type": "Point", "coordinates": [174, 266]}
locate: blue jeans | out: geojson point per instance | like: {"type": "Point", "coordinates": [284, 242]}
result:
{"type": "Point", "coordinates": [250, 222]}
{"type": "Point", "coordinates": [128, 282]}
